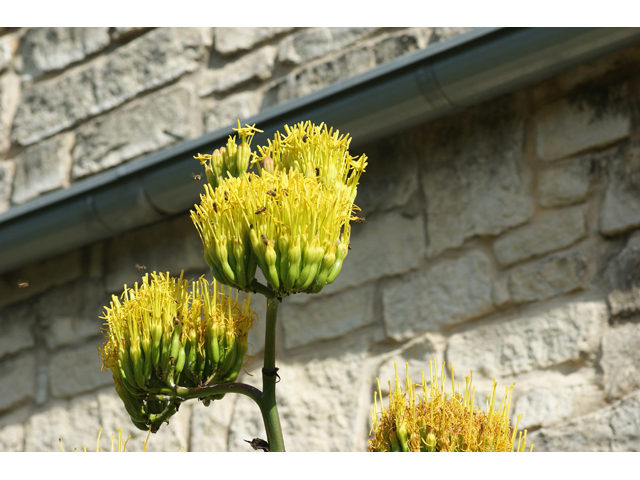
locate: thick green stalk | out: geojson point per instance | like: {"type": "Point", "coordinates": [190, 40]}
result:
{"type": "Point", "coordinates": [269, 406]}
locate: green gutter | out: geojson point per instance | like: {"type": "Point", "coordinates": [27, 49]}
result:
{"type": "Point", "coordinates": [443, 78]}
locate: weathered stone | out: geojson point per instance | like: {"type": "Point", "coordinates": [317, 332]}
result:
{"type": "Point", "coordinates": [325, 318]}
{"type": "Point", "coordinates": [386, 244]}
{"type": "Point", "coordinates": [548, 277]}
{"type": "Point", "coordinates": [229, 40]}
{"type": "Point", "coordinates": [20, 373]}
{"type": "Point", "coordinates": [472, 175]}
{"type": "Point", "coordinates": [7, 168]}
{"type": "Point", "coordinates": [534, 341]}
{"type": "Point", "coordinates": [70, 314]}
{"type": "Point", "coordinates": [565, 128]}
{"type": "Point", "coordinates": [169, 246]}
{"type": "Point", "coordinates": [611, 429]}
{"type": "Point", "coordinates": [123, 33]}
{"type": "Point", "coordinates": [12, 438]}
{"type": "Point", "coordinates": [620, 360]}
{"type": "Point", "coordinates": [112, 414]}
{"type": "Point", "coordinates": [342, 37]}
{"type": "Point", "coordinates": [318, 400]}
{"type": "Point", "coordinates": [500, 292]}
{"type": "Point", "coordinates": [152, 60]}
{"type": "Point", "coordinates": [563, 186]}
{"type": "Point", "coordinates": [210, 425]}
{"type": "Point", "coordinates": [148, 125]}
{"type": "Point", "coordinates": [314, 77]}
{"type": "Point", "coordinates": [443, 33]}
{"type": "Point", "coordinates": [9, 99]}
{"type": "Point", "coordinates": [545, 234]}
{"type": "Point", "coordinates": [256, 65]}
{"type": "Point", "coordinates": [15, 326]}
{"type": "Point", "coordinates": [42, 168]}
{"type": "Point", "coordinates": [7, 45]}
{"type": "Point", "coordinates": [231, 109]}
{"type": "Point", "coordinates": [447, 293]}
{"type": "Point", "coordinates": [41, 276]}
{"type": "Point", "coordinates": [305, 45]}
{"type": "Point", "coordinates": [76, 370]}
{"type": "Point", "coordinates": [620, 210]}
{"type": "Point", "coordinates": [417, 354]}
{"type": "Point", "coordinates": [623, 276]}
{"type": "Point", "coordinates": [398, 45]}
{"type": "Point", "coordinates": [53, 48]}
{"type": "Point", "coordinates": [391, 179]}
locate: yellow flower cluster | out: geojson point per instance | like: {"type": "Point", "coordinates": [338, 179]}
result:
{"type": "Point", "coordinates": [291, 220]}
{"type": "Point", "coordinates": [169, 332]}
{"type": "Point", "coordinates": [437, 421]}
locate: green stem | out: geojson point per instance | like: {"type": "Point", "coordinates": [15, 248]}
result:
{"type": "Point", "coordinates": [270, 408]}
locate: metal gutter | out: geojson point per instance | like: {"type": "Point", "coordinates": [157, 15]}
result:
{"type": "Point", "coordinates": [443, 78]}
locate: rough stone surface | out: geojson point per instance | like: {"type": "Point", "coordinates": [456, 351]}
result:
{"type": "Point", "coordinates": [620, 360]}
{"type": "Point", "coordinates": [326, 318]}
{"type": "Point", "coordinates": [152, 60]}
{"type": "Point", "coordinates": [7, 169]}
{"type": "Point", "coordinates": [123, 33]}
{"type": "Point", "coordinates": [533, 341]}
{"type": "Point", "coordinates": [304, 45]}
{"type": "Point", "coordinates": [151, 124]}
{"type": "Point", "coordinates": [6, 51]}
{"type": "Point", "coordinates": [42, 168]}
{"type": "Point", "coordinates": [16, 329]}
{"type": "Point", "coordinates": [230, 40]}
{"type": "Point", "coordinates": [545, 234]}
{"type": "Point", "coordinates": [210, 425]}
{"type": "Point", "coordinates": [548, 277]}
{"type": "Point", "coordinates": [12, 438]}
{"type": "Point", "coordinates": [9, 99]}
{"type": "Point", "coordinates": [563, 186]}
{"type": "Point", "coordinates": [472, 175]}
{"type": "Point", "coordinates": [342, 37]}
{"type": "Point", "coordinates": [256, 65]}
{"type": "Point", "coordinates": [20, 373]}
{"type": "Point", "coordinates": [564, 128]}
{"type": "Point", "coordinates": [443, 33]}
{"type": "Point", "coordinates": [398, 45]}
{"type": "Point", "coordinates": [417, 354]}
{"type": "Point", "coordinates": [620, 211]}
{"type": "Point", "coordinates": [232, 108]}
{"type": "Point", "coordinates": [448, 293]}
{"type": "Point", "coordinates": [76, 370]}
{"type": "Point", "coordinates": [53, 48]}
{"type": "Point", "coordinates": [610, 429]}
{"type": "Point", "coordinates": [169, 246]}
{"type": "Point", "coordinates": [623, 277]}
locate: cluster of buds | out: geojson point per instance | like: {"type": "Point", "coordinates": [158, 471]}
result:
{"type": "Point", "coordinates": [442, 422]}
{"type": "Point", "coordinates": [291, 219]}
{"type": "Point", "coordinates": [169, 332]}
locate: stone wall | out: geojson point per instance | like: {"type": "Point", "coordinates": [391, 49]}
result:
{"type": "Point", "coordinates": [504, 239]}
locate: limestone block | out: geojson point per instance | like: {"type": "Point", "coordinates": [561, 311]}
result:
{"type": "Point", "coordinates": [558, 187]}
{"type": "Point", "coordinates": [548, 277]}
{"type": "Point", "coordinates": [76, 370]}
{"type": "Point", "coordinates": [210, 425]}
{"type": "Point", "coordinates": [342, 37]}
{"type": "Point", "coordinates": [443, 33]}
{"type": "Point", "coordinates": [398, 45]}
{"type": "Point", "coordinates": [7, 169]}
{"type": "Point", "coordinates": [232, 108]}
{"type": "Point", "coordinates": [611, 429]}
{"type": "Point", "coordinates": [152, 60]}
{"type": "Point", "coordinates": [168, 246]}
{"type": "Point", "coordinates": [445, 294]}
{"type": "Point", "coordinates": [620, 211]}
{"type": "Point", "coordinates": [20, 374]}
{"type": "Point", "coordinates": [417, 354]}
{"type": "Point", "coordinates": [318, 400]}
{"type": "Point", "coordinates": [42, 168]}
{"type": "Point", "coordinates": [472, 175]}
{"type": "Point", "coordinates": [53, 48]}
{"type": "Point", "coordinates": [9, 99]}
{"type": "Point", "coordinates": [623, 277]}
{"type": "Point", "coordinates": [112, 415]}
{"type": "Point", "coordinates": [535, 340]}
{"type": "Point", "coordinates": [41, 276]}
{"type": "Point", "coordinates": [230, 40]}
{"type": "Point", "coordinates": [15, 325]}
{"type": "Point", "coordinates": [305, 45]}
{"type": "Point", "coordinates": [326, 317]}
{"type": "Point", "coordinates": [545, 234]}
{"type": "Point", "coordinates": [620, 360]}
{"type": "Point", "coordinates": [123, 33]}
{"type": "Point", "coordinates": [12, 438]}
{"type": "Point", "coordinates": [565, 128]}
{"type": "Point", "coordinates": [500, 292]}
{"type": "Point", "coordinates": [148, 125]}
{"type": "Point", "coordinates": [7, 47]}
{"type": "Point", "coordinates": [257, 65]}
